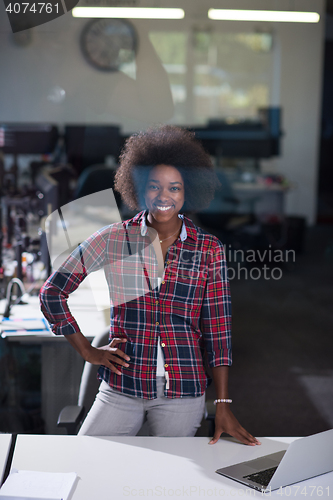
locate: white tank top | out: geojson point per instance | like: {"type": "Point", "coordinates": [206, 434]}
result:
{"type": "Point", "coordinates": [160, 372]}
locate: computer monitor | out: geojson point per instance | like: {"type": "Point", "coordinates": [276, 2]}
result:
{"type": "Point", "coordinates": [88, 145]}
{"type": "Point", "coordinates": [24, 139]}
{"type": "Point", "coordinates": [248, 138]}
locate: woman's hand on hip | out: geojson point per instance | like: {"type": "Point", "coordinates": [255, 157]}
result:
{"type": "Point", "coordinates": [109, 356]}
{"type": "Point", "coordinates": [225, 421]}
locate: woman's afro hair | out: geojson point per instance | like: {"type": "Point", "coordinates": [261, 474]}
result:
{"type": "Point", "coordinates": [166, 145]}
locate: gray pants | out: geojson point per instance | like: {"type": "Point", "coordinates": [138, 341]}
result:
{"type": "Point", "coordinates": [116, 414]}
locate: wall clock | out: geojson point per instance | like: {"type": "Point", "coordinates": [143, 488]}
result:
{"type": "Point", "coordinates": [107, 44]}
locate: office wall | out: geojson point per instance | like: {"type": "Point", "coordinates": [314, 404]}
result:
{"type": "Point", "coordinates": [33, 79]}
{"type": "Point", "coordinates": [329, 27]}
{"type": "Point", "coordinates": [301, 91]}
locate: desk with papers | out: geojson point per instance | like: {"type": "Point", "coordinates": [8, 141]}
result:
{"type": "Point", "coordinates": [61, 365]}
{"type": "Point", "coordinates": [152, 467]}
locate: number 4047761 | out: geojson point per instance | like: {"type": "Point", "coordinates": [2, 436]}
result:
{"type": "Point", "coordinates": [36, 8]}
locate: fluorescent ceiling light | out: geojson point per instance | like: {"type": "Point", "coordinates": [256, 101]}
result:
{"type": "Point", "coordinates": [128, 12]}
{"type": "Point", "coordinates": [263, 15]}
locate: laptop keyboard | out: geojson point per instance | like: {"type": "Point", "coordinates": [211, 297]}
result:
{"type": "Point", "coordinates": [263, 477]}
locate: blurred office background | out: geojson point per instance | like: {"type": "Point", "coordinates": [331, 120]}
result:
{"type": "Point", "coordinates": [258, 95]}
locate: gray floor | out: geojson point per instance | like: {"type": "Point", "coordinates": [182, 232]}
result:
{"type": "Point", "coordinates": [281, 380]}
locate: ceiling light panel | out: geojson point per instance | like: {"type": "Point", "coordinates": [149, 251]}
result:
{"type": "Point", "coordinates": [128, 12]}
{"type": "Point", "coordinates": [263, 15]}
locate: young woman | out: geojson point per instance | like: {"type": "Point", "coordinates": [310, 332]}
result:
{"type": "Point", "coordinates": [169, 295]}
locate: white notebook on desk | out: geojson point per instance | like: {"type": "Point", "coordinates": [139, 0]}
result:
{"type": "Point", "coordinates": [24, 326]}
{"type": "Point", "coordinates": [32, 485]}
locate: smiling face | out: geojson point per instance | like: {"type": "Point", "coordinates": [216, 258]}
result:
{"type": "Point", "coordinates": [165, 194]}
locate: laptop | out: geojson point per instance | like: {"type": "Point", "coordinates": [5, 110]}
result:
{"type": "Point", "coordinates": [304, 458]}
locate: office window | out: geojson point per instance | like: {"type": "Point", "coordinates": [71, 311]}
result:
{"type": "Point", "coordinates": [214, 75]}
{"type": "Point", "coordinates": [172, 50]}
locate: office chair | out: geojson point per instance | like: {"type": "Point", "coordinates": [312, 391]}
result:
{"type": "Point", "coordinates": [72, 417]}
{"type": "Point", "coordinates": [93, 179]}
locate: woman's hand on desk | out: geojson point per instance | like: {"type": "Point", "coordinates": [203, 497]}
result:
{"type": "Point", "coordinates": [225, 421]}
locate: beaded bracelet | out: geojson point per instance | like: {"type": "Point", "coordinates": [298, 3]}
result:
{"type": "Point", "coordinates": [222, 401]}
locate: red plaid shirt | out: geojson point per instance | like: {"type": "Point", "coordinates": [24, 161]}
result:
{"type": "Point", "coordinates": [191, 312]}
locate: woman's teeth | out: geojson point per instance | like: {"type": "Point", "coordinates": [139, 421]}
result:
{"type": "Point", "coordinates": [164, 209]}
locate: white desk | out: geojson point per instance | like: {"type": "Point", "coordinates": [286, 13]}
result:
{"type": "Point", "coordinates": [270, 199]}
{"type": "Point", "coordinates": [61, 364]}
{"type": "Point", "coordinates": [147, 467]}
{"type": "Point", "coordinates": [82, 305]}
{"type": "Point", "coordinates": [5, 441]}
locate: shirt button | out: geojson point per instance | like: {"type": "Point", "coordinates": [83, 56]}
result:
{"type": "Point", "coordinates": [168, 262]}
{"type": "Point", "coordinates": [157, 323]}
{"type": "Point", "coordinates": [156, 301]}
{"type": "Point", "coordinates": [163, 344]}
{"type": "Point", "coordinates": [163, 282]}
{"type": "Point", "coordinates": [166, 366]}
